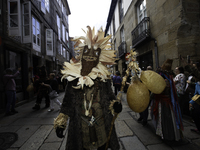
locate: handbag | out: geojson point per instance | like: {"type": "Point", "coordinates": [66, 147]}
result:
{"type": "Point", "coordinates": [30, 88]}
{"type": "Point", "coordinates": [196, 98]}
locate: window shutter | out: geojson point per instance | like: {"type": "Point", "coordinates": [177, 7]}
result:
{"type": "Point", "coordinates": [14, 23]}
{"type": "Point", "coordinates": [26, 16]}
{"type": "Point", "coordinates": [49, 42]}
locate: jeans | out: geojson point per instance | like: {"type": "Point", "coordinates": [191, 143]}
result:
{"type": "Point", "coordinates": [11, 99]}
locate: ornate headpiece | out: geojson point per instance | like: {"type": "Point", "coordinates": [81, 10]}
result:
{"type": "Point", "coordinates": [93, 53]}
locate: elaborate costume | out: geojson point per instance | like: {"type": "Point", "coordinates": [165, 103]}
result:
{"type": "Point", "coordinates": [89, 101]}
{"type": "Point", "coordinates": [166, 114]}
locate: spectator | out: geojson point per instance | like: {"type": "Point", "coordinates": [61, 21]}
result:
{"type": "Point", "coordinates": [53, 94]}
{"type": "Point", "coordinates": [10, 89]}
{"type": "Point", "coordinates": [117, 80]}
{"type": "Point", "coordinates": [43, 90]}
{"type": "Point", "coordinates": [193, 106]}
{"type": "Point", "coordinates": [180, 81]}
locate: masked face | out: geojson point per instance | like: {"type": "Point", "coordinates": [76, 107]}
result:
{"type": "Point", "coordinates": [90, 59]}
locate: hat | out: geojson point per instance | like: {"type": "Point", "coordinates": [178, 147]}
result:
{"type": "Point", "coordinates": [167, 65]}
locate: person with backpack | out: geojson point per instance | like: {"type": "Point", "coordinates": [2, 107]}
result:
{"type": "Point", "coordinates": [10, 90]}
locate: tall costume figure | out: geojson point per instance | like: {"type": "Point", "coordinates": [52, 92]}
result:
{"type": "Point", "coordinates": [89, 102]}
{"type": "Point", "coordinates": [166, 112]}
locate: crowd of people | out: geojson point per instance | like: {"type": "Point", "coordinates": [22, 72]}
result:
{"type": "Point", "coordinates": [166, 109]}
{"type": "Point", "coordinates": [44, 86]}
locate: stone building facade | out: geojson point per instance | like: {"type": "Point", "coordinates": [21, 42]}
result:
{"type": "Point", "coordinates": [157, 29]}
{"type": "Point", "coordinates": [32, 33]}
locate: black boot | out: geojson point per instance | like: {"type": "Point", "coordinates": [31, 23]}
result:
{"type": "Point", "coordinates": [36, 107]}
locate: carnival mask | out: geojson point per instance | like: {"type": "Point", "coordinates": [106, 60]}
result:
{"type": "Point", "coordinates": [90, 59]}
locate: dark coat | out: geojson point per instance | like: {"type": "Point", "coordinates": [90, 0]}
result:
{"type": "Point", "coordinates": [72, 106]}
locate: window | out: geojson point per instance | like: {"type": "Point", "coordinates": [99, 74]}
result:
{"type": "Point", "coordinates": [43, 6]}
{"type": "Point", "coordinates": [114, 25]}
{"type": "Point", "coordinates": [49, 42]}
{"type": "Point", "coordinates": [59, 2]}
{"type": "Point", "coordinates": [61, 50]}
{"type": "Point", "coordinates": [26, 21]}
{"type": "Point", "coordinates": [59, 29]}
{"type": "Point", "coordinates": [121, 10]}
{"type": "Point", "coordinates": [67, 38]}
{"type": "Point", "coordinates": [36, 34]}
{"type": "Point", "coordinates": [64, 55]}
{"type": "Point", "coordinates": [14, 25]}
{"type": "Point", "coordinates": [68, 57]}
{"type": "Point", "coordinates": [141, 9]}
{"type": "Point", "coordinates": [122, 37]}
{"type": "Point", "coordinates": [47, 5]}
{"type": "Point", "coordinates": [63, 32]}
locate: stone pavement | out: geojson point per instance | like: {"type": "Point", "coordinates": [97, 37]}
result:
{"type": "Point", "coordinates": [35, 131]}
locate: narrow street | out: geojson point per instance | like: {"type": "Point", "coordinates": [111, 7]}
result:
{"type": "Point", "coordinates": [35, 131]}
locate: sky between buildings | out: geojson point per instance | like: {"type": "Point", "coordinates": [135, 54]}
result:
{"type": "Point", "coordinates": [87, 12]}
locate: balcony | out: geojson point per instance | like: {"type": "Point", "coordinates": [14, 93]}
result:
{"type": "Point", "coordinates": [141, 32]}
{"type": "Point", "coordinates": [122, 49]}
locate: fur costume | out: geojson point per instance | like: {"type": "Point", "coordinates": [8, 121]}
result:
{"type": "Point", "coordinates": [88, 95]}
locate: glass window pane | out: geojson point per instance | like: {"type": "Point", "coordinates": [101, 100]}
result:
{"type": "Point", "coordinates": [34, 31]}
{"type": "Point", "coordinates": [38, 33]}
{"type": "Point", "coordinates": [144, 3]}
{"type": "Point", "coordinates": [13, 7]}
{"type": "Point", "coordinates": [49, 47]}
{"type": "Point", "coordinates": [38, 25]}
{"type": "Point", "coordinates": [38, 41]}
{"type": "Point", "coordinates": [33, 21]}
{"type": "Point", "coordinates": [34, 39]}
{"type": "Point", "coordinates": [26, 8]}
{"type": "Point", "coordinates": [26, 19]}
{"type": "Point", "coordinates": [13, 21]}
{"type": "Point", "coordinates": [26, 30]}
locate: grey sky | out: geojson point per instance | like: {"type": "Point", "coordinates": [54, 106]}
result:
{"type": "Point", "coordinates": [87, 12]}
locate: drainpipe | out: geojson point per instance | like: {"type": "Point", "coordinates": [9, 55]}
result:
{"type": "Point", "coordinates": [156, 52]}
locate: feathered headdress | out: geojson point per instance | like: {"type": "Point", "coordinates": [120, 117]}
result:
{"type": "Point", "coordinates": [107, 57]}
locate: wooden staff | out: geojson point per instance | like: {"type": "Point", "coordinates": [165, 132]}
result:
{"type": "Point", "coordinates": [111, 128]}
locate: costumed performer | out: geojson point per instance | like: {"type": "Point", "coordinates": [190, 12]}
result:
{"type": "Point", "coordinates": [166, 114]}
{"type": "Point", "coordinates": [89, 102]}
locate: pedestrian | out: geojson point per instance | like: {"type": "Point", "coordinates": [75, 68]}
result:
{"type": "Point", "coordinates": [42, 89]}
{"type": "Point", "coordinates": [144, 115]}
{"type": "Point", "coordinates": [117, 80]}
{"type": "Point", "coordinates": [180, 81]}
{"type": "Point", "coordinates": [10, 90]}
{"type": "Point", "coordinates": [89, 100]}
{"type": "Point", "coordinates": [165, 110]}
{"type": "Point", "coordinates": [194, 107]}
{"type": "Point", "coordinates": [54, 93]}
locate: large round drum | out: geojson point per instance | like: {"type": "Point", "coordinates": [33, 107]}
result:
{"type": "Point", "coordinates": [138, 96]}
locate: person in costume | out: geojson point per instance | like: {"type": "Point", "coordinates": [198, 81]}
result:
{"type": "Point", "coordinates": [89, 102]}
{"type": "Point", "coordinates": [166, 115]}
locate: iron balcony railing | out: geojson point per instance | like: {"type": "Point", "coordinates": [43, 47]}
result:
{"type": "Point", "coordinates": [122, 49]}
{"type": "Point", "coordinates": [141, 32]}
